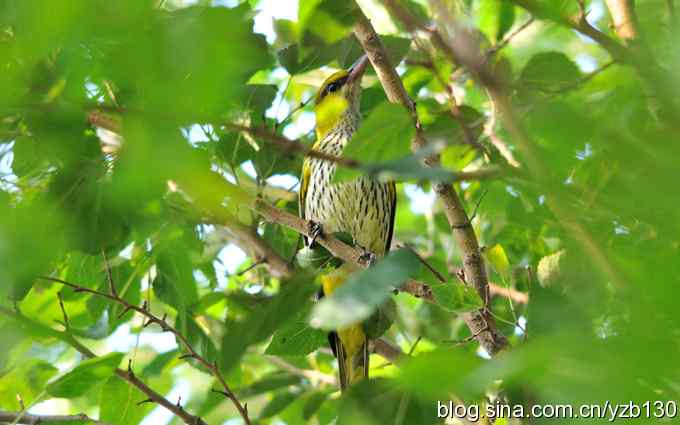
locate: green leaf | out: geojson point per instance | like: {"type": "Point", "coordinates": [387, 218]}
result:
{"type": "Point", "coordinates": [378, 401]}
{"type": "Point", "coordinates": [313, 403]}
{"type": "Point", "coordinates": [269, 383]}
{"type": "Point", "coordinates": [449, 130]}
{"type": "Point", "coordinates": [327, 20]}
{"type": "Point", "coordinates": [384, 136]}
{"type": "Point", "coordinates": [396, 48]}
{"type": "Point", "coordinates": [159, 362]}
{"type": "Point", "coordinates": [456, 297]}
{"type": "Point", "coordinates": [549, 72]}
{"type": "Point", "coordinates": [257, 98]}
{"type": "Point", "coordinates": [496, 18]}
{"type": "Point", "coordinates": [287, 31]}
{"type": "Point", "coordinates": [313, 257]}
{"type": "Point", "coordinates": [119, 403]}
{"type": "Point", "coordinates": [548, 271]}
{"type": "Point", "coordinates": [381, 320]}
{"type": "Point", "coordinates": [265, 318]}
{"type": "Point", "coordinates": [27, 379]}
{"type": "Point", "coordinates": [297, 338]}
{"type": "Point", "coordinates": [174, 283]}
{"type": "Point", "coordinates": [430, 374]}
{"type": "Point", "coordinates": [277, 404]}
{"type": "Point", "coordinates": [297, 60]}
{"type": "Point", "coordinates": [497, 258]}
{"type": "Point", "coordinates": [364, 291]}
{"type": "Point", "coordinates": [84, 376]}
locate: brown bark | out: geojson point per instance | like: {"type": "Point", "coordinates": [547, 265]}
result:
{"type": "Point", "coordinates": [481, 323]}
{"type": "Point", "coordinates": [623, 18]}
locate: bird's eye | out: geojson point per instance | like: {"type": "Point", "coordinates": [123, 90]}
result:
{"type": "Point", "coordinates": [333, 87]}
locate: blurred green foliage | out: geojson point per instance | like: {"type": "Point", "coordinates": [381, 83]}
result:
{"type": "Point", "coordinates": [162, 200]}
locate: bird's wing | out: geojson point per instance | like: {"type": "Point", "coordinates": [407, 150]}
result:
{"type": "Point", "coordinates": [304, 185]}
{"type": "Point", "coordinates": [392, 191]}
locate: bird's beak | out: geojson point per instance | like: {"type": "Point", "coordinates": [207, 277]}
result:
{"type": "Point", "coordinates": [357, 70]}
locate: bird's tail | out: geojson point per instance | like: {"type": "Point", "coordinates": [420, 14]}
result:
{"type": "Point", "coordinates": [350, 344]}
{"type": "Point", "coordinates": [352, 351]}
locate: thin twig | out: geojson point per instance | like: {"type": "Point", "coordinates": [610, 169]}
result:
{"type": "Point", "coordinates": [466, 339]}
{"type": "Point", "coordinates": [32, 419]}
{"type": "Point", "coordinates": [166, 327]}
{"type": "Point", "coordinates": [293, 146]}
{"type": "Point", "coordinates": [415, 344]}
{"type": "Point", "coordinates": [511, 293]}
{"type": "Point", "coordinates": [252, 266]}
{"type": "Point", "coordinates": [69, 339]}
{"type": "Point", "coordinates": [508, 38]}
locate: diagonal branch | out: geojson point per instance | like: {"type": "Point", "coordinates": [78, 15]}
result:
{"type": "Point", "coordinates": [166, 327]}
{"type": "Point", "coordinates": [480, 322]}
{"type": "Point", "coordinates": [248, 238]}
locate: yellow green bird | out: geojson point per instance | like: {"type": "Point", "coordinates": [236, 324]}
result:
{"type": "Point", "coordinates": [364, 208]}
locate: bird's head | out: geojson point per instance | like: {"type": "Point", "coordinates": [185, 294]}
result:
{"type": "Point", "coordinates": [337, 102]}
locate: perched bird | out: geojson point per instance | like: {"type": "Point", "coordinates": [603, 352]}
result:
{"type": "Point", "coordinates": [363, 208]}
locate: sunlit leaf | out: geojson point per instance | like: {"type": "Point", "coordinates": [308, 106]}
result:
{"type": "Point", "coordinates": [497, 258]}
{"type": "Point", "coordinates": [363, 292]}
{"type": "Point", "coordinates": [296, 338]}
{"type": "Point", "coordinates": [120, 403]}
{"type": "Point", "coordinates": [84, 376]}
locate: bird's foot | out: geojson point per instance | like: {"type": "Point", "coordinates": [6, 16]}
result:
{"type": "Point", "coordinates": [315, 230]}
{"type": "Point", "coordinates": [367, 258]}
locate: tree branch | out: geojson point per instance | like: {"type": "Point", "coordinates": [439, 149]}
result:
{"type": "Point", "coordinates": [387, 350]}
{"type": "Point", "coordinates": [166, 327]}
{"type": "Point", "coordinates": [479, 322]}
{"type": "Point", "coordinates": [623, 18]}
{"type": "Point", "coordinates": [31, 419]}
{"type": "Point", "coordinates": [510, 293]}
{"type": "Point", "coordinates": [128, 376]}
{"type": "Point", "coordinates": [580, 24]}
{"type": "Point", "coordinates": [463, 51]}
{"type": "Point", "coordinates": [248, 238]}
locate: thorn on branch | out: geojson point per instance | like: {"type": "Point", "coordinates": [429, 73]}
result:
{"type": "Point", "coordinates": [187, 356]}
{"type": "Point", "coordinates": [224, 393]}
{"type": "Point", "coordinates": [125, 310]}
{"type": "Point", "coordinates": [469, 338]}
{"type": "Point", "coordinates": [129, 368]}
{"type": "Point", "coordinates": [148, 400]}
{"type": "Point", "coordinates": [179, 402]}
{"type": "Point", "coordinates": [460, 274]}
